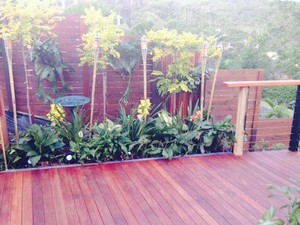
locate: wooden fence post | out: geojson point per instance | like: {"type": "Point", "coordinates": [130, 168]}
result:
{"type": "Point", "coordinates": [240, 120]}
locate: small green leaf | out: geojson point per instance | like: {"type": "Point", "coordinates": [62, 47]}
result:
{"type": "Point", "coordinates": [35, 159]}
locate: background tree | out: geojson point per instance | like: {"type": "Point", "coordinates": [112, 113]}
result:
{"type": "Point", "coordinates": [109, 34]}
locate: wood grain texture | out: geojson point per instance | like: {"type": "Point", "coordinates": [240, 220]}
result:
{"type": "Point", "coordinates": [262, 83]}
{"type": "Point", "coordinates": [218, 189]}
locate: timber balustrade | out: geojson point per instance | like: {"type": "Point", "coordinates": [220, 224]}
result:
{"type": "Point", "coordinates": [244, 87]}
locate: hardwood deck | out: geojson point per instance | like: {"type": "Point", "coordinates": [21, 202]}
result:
{"type": "Point", "coordinates": [222, 189]}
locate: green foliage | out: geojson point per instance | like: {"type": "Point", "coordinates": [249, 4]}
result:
{"type": "Point", "coordinates": [269, 218]}
{"type": "Point", "coordinates": [108, 143]}
{"type": "Point", "coordinates": [274, 110]}
{"type": "Point", "coordinates": [26, 20]}
{"type": "Point", "coordinates": [75, 130]}
{"type": "Point", "coordinates": [180, 48]}
{"type": "Point", "coordinates": [291, 208]}
{"type": "Point", "coordinates": [49, 65]}
{"type": "Point", "coordinates": [129, 60]}
{"type": "Point", "coordinates": [278, 146]}
{"type": "Point", "coordinates": [216, 137]}
{"type": "Point", "coordinates": [109, 33]}
{"type": "Point", "coordinates": [281, 95]}
{"type": "Point", "coordinates": [39, 144]}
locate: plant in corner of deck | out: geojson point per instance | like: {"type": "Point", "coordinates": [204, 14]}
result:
{"type": "Point", "coordinates": [292, 206]}
{"type": "Point", "coordinates": [217, 136]}
{"type": "Point", "coordinates": [40, 144]}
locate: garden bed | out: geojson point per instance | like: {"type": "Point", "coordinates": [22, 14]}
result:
{"type": "Point", "coordinates": [128, 137]}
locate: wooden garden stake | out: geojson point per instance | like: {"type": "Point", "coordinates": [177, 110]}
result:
{"type": "Point", "coordinates": [144, 49]}
{"type": "Point", "coordinates": [8, 52]}
{"type": "Point", "coordinates": [96, 55]}
{"type": "Point", "coordinates": [104, 94]}
{"type": "Point", "coordinates": [3, 146]}
{"type": "Point", "coordinates": [28, 88]}
{"type": "Point", "coordinates": [217, 65]}
{"type": "Point", "coordinates": [203, 55]}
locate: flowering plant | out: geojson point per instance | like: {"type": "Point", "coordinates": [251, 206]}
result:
{"type": "Point", "coordinates": [144, 108]}
{"type": "Point", "coordinates": [56, 114]}
{"type": "Point", "coordinates": [196, 116]}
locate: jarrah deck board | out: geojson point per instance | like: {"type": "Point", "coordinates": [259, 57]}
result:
{"type": "Point", "coordinates": [217, 189]}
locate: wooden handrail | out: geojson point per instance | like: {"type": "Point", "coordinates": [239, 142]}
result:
{"type": "Point", "coordinates": [244, 87]}
{"type": "Point", "coordinates": [262, 83]}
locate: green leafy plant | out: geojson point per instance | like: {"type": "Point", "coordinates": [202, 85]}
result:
{"type": "Point", "coordinates": [182, 73]}
{"type": "Point", "coordinates": [49, 65]}
{"type": "Point", "coordinates": [40, 144]}
{"type": "Point", "coordinates": [129, 60]}
{"type": "Point", "coordinates": [275, 110]}
{"type": "Point", "coordinates": [292, 206]}
{"type": "Point", "coordinates": [24, 21]}
{"type": "Point", "coordinates": [107, 143]}
{"type": "Point", "coordinates": [216, 136]}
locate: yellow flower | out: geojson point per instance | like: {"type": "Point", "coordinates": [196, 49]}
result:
{"type": "Point", "coordinates": [144, 108]}
{"type": "Point", "coordinates": [56, 114]}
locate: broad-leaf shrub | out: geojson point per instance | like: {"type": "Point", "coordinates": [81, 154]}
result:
{"type": "Point", "coordinates": [39, 144]}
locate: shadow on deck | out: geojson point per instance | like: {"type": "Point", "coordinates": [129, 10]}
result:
{"type": "Point", "coordinates": [222, 189]}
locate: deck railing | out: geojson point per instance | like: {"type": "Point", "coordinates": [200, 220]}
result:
{"type": "Point", "coordinates": [244, 87]}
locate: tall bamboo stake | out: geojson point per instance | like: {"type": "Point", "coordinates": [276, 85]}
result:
{"type": "Point", "coordinates": [217, 65]}
{"type": "Point", "coordinates": [8, 52]}
{"type": "Point", "coordinates": [104, 94]}
{"type": "Point", "coordinates": [144, 49]}
{"type": "Point", "coordinates": [27, 85]}
{"type": "Point", "coordinates": [3, 147]}
{"type": "Point", "coordinates": [203, 55]}
{"type": "Point", "coordinates": [96, 55]}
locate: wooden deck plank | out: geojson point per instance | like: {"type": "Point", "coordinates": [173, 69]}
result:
{"type": "Point", "coordinates": [119, 198]}
{"type": "Point", "coordinates": [236, 191]}
{"type": "Point", "coordinates": [217, 189]}
{"type": "Point", "coordinates": [115, 211]}
{"type": "Point", "coordinates": [5, 209]}
{"type": "Point", "coordinates": [98, 197]}
{"type": "Point", "coordinates": [48, 202]}
{"type": "Point", "coordinates": [27, 213]}
{"type": "Point", "coordinates": [172, 190]}
{"type": "Point", "coordinates": [243, 203]}
{"type": "Point", "coordinates": [1, 188]}
{"type": "Point", "coordinates": [128, 197]}
{"type": "Point", "coordinates": [72, 215]}
{"type": "Point", "coordinates": [81, 209]}
{"type": "Point", "coordinates": [37, 198]}
{"type": "Point", "coordinates": [59, 205]}
{"type": "Point", "coordinates": [195, 188]}
{"type": "Point", "coordinates": [155, 201]}
{"type": "Point", "coordinates": [88, 198]}
{"type": "Point", "coordinates": [134, 191]}
{"type": "Point", "coordinates": [162, 194]}
{"type": "Point", "coordinates": [17, 198]}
